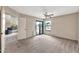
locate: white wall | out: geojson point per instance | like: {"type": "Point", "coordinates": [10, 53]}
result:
{"type": "Point", "coordinates": [64, 26]}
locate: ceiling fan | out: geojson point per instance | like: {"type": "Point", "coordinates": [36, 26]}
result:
{"type": "Point", "coordinates": [48, 15]}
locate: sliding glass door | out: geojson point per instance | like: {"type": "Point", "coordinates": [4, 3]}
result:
{"type": "Point", "coordinates": [39, 27]}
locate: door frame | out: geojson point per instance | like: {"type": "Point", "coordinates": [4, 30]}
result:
{"type": "Point", "coordinates": [2, 29]}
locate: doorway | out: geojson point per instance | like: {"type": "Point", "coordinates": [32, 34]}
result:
{"type": "Point", "coordinates": [39, 27]}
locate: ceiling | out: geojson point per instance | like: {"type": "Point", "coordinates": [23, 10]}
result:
{"type": "Point", "coordinates": [38, 11]}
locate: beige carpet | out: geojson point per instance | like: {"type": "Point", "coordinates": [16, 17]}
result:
{"type": "Point", "coordinates": [42, 44]}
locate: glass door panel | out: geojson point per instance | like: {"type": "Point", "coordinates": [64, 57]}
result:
{"type": "Point", "coordinates": [39, 27]}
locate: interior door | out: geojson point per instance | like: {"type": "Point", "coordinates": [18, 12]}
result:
{"type": "Point", "coordinates": [22, 28]}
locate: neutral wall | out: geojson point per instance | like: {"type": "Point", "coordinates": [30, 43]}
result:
{"type": "Point", "coordinates": [11, 12]}
{"type": "Point", "coordinates": [30, 26]}
{"type": "Point", "coordinates": [26, 23]}
{"type": "Point", "coordinates": [21, 27]}
{"type": "Point", "coordinates": [0, 7]}
{"type": "Point", "coordinates": [26, 26]}
{"type": "Point", "coordinates": [64, 26]}
{"type": "Point", "coordinates": [77, 26]}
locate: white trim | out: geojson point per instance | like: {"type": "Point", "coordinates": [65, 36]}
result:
{"type": "Point", "coordinates": [2, 29]}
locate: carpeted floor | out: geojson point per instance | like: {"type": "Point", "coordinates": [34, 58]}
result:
{"type": "Point", "coordinates": [42, 44]}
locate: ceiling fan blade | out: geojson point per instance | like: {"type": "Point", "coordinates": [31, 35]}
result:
{"type": "Point", "coordinates": [45, 13]}
{"type": "Point", "coordinates": [48, 15]}
{"type": "Point", "coordinates": [51, 14]}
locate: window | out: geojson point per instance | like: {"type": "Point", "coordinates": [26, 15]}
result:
{"type": "Point", "coordinates": [48, 25]}
{"type": "Point", "coordinates": [11, 23]}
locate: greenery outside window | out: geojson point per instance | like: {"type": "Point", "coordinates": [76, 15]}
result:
{"type": "Point", "coordinates": [47, 25]}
